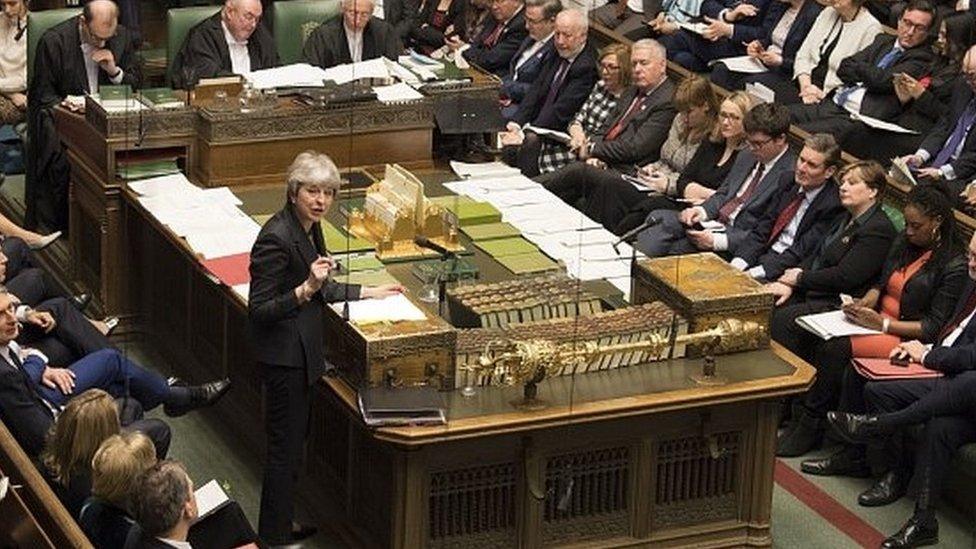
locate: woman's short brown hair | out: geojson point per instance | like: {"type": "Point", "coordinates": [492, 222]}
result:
{"type": "Point", "coordinates": [871, 172]}
{"type": "Point", "coordinates": [117, 464]}
{"type": "Point", "coordinates": [622, 53]}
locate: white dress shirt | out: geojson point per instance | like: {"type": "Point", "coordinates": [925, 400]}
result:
{"type": "Point", "coordinates": [92, 68]}
{"type": "Point", "coordinates": [530, 51]}
{"type": "Point", "coordinates": [355, 41]}
{"type": "Point", "coordinates": [240, 59]}
{"type": "Point", "coordinates": [720, 240]}
{"type": "Point", "coordinates": [176, 543]}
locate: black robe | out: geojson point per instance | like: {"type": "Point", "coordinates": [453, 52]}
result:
{"type": "Point", "coordinates": [204, 53]}
{"type": "Point", "coordinates": [327, 45]}
{"type": "Point", "coordinates": [59, 71]}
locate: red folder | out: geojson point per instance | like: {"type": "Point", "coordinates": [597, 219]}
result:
{"type": "Point", "coordinates": [232, 269]}
{"type": "Point", "coordinates": [882, 368]}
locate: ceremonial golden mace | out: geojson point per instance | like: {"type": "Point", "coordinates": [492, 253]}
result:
{"type": "Point", "coordinates": [528, 362]}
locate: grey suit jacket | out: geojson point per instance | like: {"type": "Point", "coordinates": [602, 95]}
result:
{"type": "Point", "coordinates": [641, 140]}
{"type": "Point", "coordinates": [754, 208]}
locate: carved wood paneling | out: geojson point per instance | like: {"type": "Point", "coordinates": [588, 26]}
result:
{"type": "Point", "coordinates": [697, 480]}
{"type": "Point", "coordinates": [472, 507]}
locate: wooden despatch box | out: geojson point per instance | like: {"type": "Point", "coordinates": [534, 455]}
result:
{"type": "Point", "coordinates": [407, 352]}
{"type": "Point", "coordinates": [704, 289]}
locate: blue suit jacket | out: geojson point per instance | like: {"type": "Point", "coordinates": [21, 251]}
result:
{"type": "Point", "coordinates": [515, 86]}
{"type": "Point", "coordinates": [21, 407]}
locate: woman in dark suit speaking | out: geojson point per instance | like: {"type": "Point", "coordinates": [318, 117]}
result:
{"type": "Point", "coordinates": [290, 284]}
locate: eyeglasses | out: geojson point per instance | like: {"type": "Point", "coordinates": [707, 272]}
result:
{"type": "Point", "coordinates": [758, 144]}
{"type": "Point", "coordinates": [914, 27]}
{"type": "Point", "coordinates": [609, 68]}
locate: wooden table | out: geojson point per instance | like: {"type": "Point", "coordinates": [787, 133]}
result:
{"type": "Point", "coordinates": [650, 456]}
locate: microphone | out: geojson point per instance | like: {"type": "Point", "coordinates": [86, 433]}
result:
{"type": "Point", "coordinates": [631, 234]}
{"type": "Point", "coordinates": [425, 242]}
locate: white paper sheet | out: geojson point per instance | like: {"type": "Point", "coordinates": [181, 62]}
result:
{"type": "Point", "coordinates": [832, 324]}
{"type": "Point", "coordinates": [881, 124]}
{"type": "Point", "coordinates": [373, 68]}
{"type": "Point", "coordinates": [486, 169]}
{"type": "Point", "coordinates": [231, 241]}
{"type": "Point", "coordinates": [743, 64]}
{"type": "Point", "coordinates": [297, 75]}
{"type": "Point", "coordinates": [243, 290]}
{"type": "Point", "coordinates": [561, 137]}
{"type": "Point", "coordinates": [164, 184]}
{"type": "Point", "coordinates": [389, 309]}
{"type": "Point", "coordinates": [209, 497]}
{"type": "Point", "coordinates": [396, 93]}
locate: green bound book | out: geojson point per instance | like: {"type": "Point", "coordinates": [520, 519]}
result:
{"type": "Point", "coordinates": [338, 241]}
{"type": "Point", "coordinates": [161, 98]}
{"type": "Point", "coordinates": [491, 231]}
{"type": "Point", "coordinates": [507, 246]}
{"type": "Point", "coordinates": [466, 211]}
{"type": "Point", "coordinates": [532, 262]}
{"type": "Point", "coordinates": [107, 93]}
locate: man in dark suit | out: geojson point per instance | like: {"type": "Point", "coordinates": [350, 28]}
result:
{"type": "Point", "coordinates": [290, 285]}
{"type": "Point", "coordinates": [556, 95]}
{"type": "Point", "coordinates": [353, 36]}
{"type": "Point", "coordinates": [640, 124]}
{"type": "Point", "coordinates": [402, 15]}
{"type": "Point", "coordinates": [532, 56]}
{"type": "Point", "coordinates": [948, 151]}
{"type": "Point", "coordinates": [945, 406]}
{"type": "Point", "coordinates": [628, 17]}
{"type": "Point", "coordinates": [797, 219]}
{"type": "Point", "coordinates": [73, 58]}
{"type": "Point", "coordinates": [32, 392]}
{"type": "Point", "coordinates": [494, 48]}
{"type": "Point", "coordinates": [232, 41]}
{"type": "Point", "coordinates": [868, 76]}
{"type": "Point", "coordinates": [729, 27]}
{"type": "Point", "coordinates": [738, 204]}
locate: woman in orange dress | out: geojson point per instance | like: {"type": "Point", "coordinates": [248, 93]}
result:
{"type": "Point", "coordinates": [917, 291]}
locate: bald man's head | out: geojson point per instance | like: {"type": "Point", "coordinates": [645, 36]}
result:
{"type": "Point", "coordinates": [241, 18]}
{"type": "Point", "coordinates": [99, 21]}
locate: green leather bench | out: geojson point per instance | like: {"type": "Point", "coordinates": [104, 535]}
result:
{"type": "Point", "coordinates": [293, 21]}
{"type": "Point", "coordinates": [179, 21]}
{"type": "Point", "coordinates": [37, 23]}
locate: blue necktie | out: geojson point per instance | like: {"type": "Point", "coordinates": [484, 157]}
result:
{"type": "Point", "coordinates": [841, 97]}
{"type": "Point", "coordinates": [956, 137]}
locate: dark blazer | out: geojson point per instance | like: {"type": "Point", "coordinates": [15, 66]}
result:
{"type": "Point", "coordinates": [794, 37]}
{"type": "Point", "coordinates": [964, 165]}
{"type": "Point", "coordinates": [106, 526]}
{"type": "Point", "coordinates": [204, 53]}
{"type": "Point", "coordinates": [961, 356]}
{"type": "Point", "coordinates": [770, 187]}
{"type": "Point", "coordinates": [327, 46]}
{"type": "Point", "coordinates": [430, 35]}
{"type": "Point", "coordinates": [931, 295]}
{"type": "Point", "coordinates": [850, 257]}
{"type": "Point", "coordinates": [923, 113]}
{"type": "Point", "coordinates": [749, 28]}
{"type": "Point", "coordinates": [641, 140]}
{"type": "Point", "coordinates": [515, 86]}
{"type": "Point", "coordinates": [570, 96]}
{"type": "Point", "coordinates": [21, 407]}
{"type": "Point", "coordinates": [284, 333]}
{"type": "Point", "coordinates": [402, 15]}
{"type": "Point", "coordinates": [880, 100]}
{"type": "Point", "coordinates": [495, 59]}
{"type": "Point", "coordinates": [819, 217]}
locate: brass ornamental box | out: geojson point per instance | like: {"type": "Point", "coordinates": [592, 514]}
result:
{"type": "Point", "coordinates": [704, 289]}
{"type": "Point", "coordinates": [397, 353]}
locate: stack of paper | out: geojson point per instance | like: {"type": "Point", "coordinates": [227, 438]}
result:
{"type": "Point", "coordinates": [389, 309]}
{"type": "Point", "coordinates": [488, 169]}
{"type": "Point", "coordinates": [396, 93]}
{"type": "Point", "coordinates": [832, 324]}
{"type": "Point", "coordinates": [298, 75]}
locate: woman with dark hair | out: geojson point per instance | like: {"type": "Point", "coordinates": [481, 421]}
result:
{"type": "Point", "coordinates": [438, 20]}
{"type": "Point", "coordinates": [925, 99]}
{"type": "Point", "coordinates": [912, 299]}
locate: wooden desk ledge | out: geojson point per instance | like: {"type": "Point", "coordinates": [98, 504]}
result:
{"type": "Point", "coordinates": [515, 420]}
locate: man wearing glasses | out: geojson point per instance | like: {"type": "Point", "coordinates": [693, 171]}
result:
{"type": "Point", "coordinates": [948, 152]}
{"type": "Point", "coordinates": [354, 36]}
{"type": "Point", "coordinates": [868, 77]}
{"type": "Point", "coordinates": [73, 58]}
{"type": "Point", "coordinates": [724, 222]}
{"type": "Point", "coordinates": [232, 41]}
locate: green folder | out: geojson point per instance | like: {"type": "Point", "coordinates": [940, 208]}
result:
{"type": "Point", "coordinates": [337, 241]}
{"type": "Point", "coordinates": [359, 262]}
{"type": "Point", "coordinates": [142, 170]}
{"type": "Point", "coordinates": [532, 262]}
{"type": "Point", "coordinates": [367, 278]}
{"type": "Point", "coordinates": [491, 231]}
{"type": "Point", "coordinates": [467, 211]}
{"type": "Point", "coordinates": [507, 246]}
{"type": "Point", "coordinates": [108, 92]}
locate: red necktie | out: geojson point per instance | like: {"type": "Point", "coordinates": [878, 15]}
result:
{"type": "Point", "coordinates": [493, 37]}
{"type": "Point", "coordinates": [785, 216]}
{"type": "Point", "coordinates": [622, 122]}
{"type": "Point", "coordinates": [963, 313]}
{"type": "Point", "coordinates": [726, 211]}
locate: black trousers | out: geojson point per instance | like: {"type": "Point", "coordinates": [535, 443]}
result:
{"type": "Point", "coordinates": [19, 256]}
{"type": "Point", "coordinates": [785, 330]}
{"type": "Point", "coordinates": [72, 338]}
{"type": "Point", "coordinates": [525, 157]}
{"type": "Point", "coordinates": [823, 117]}
{"type": "Point", "coordinates": [287, 409]}
{"type": "Point", "coordinates": [946, 409]}
{"type": "Point", "coordinates": [784, 87]}
{"type": "Point", "coordinates": [32, 286]}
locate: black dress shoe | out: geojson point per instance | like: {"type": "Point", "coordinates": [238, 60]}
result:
{"type": "Point", "coordinates": [846, 462]}
{"type": "Point", "coordinates": [302, 531]}
{"type": "Point", "coordinates": [197, 397]}
{"type": "Point", "coordinates": [888, 489]}
{"type": "Point", "coordinates": [805, 435]}
{"type": "Point", "coordinates": [915, 533]}
{"type": "Point", "coordinates": [81, 301]}
{"type": "Point", "coordinates": [855, 428]}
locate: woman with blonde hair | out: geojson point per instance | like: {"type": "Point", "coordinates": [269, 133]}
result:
{"type": "Point", "coordinates": [119, 461]}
